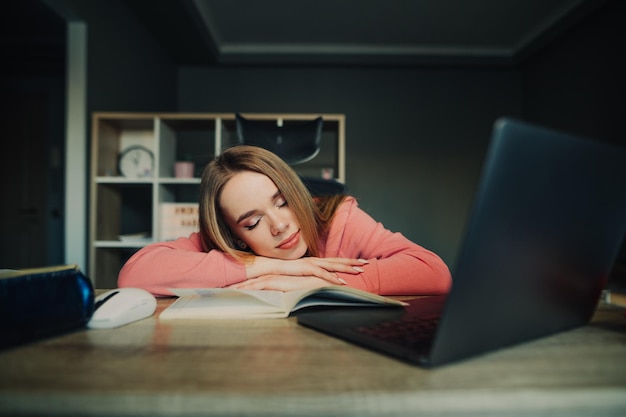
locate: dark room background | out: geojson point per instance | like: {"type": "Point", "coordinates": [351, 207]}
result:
{"type": "Point", "coordinates": [415, 136]}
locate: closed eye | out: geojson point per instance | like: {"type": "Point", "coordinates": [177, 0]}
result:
{"type": "Point", "coordinates": [255, 224]}
{"type": "Point", "coordinates": [281, 202]}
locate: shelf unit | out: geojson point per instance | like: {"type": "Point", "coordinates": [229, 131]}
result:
{"type": "Point", "coordinates": [124, 212]}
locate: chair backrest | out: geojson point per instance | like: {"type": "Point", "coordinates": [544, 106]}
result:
{"type": "Point", "coordinates": [319, 187]}
{"type": "Point", "coordinates": [295, 143]}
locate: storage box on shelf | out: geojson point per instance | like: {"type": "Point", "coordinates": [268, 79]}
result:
{"type": "Point", "coordinates": [133, 176]}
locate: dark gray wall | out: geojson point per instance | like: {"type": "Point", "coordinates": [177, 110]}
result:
{"type": "Point", "coordinates": [578, 84]}
{"type": "Point", "coordinates": [127, 69]}
{"type": "Point", "coordinates": [415, 137]}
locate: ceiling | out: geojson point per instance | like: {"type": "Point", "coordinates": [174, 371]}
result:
{"type": "Point", "coordinates": [356, 32]}
{"type": "Point", "coordinates": [311, 32]}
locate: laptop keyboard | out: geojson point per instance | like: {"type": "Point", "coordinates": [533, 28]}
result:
{"type": "Point", "coordinates": [408, 331]}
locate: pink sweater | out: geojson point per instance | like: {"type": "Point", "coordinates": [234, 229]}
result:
{"type": "Point", "coordinates": [396, 265]}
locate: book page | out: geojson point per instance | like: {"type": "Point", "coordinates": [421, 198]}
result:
{"type": "Point", "coordinates": [273, 298]}
{"type": "Point", "coordinates": [225, 303]}
{"type": "Point", "coordinates": [342, 296]}
{"type": "Point", "coordinates": [232, 303]}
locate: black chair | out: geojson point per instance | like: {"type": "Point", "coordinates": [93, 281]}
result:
{"type": "Point", "coordinates": [295, 143]}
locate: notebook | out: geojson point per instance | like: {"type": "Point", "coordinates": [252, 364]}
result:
{"type": "Point", "coordinates": [546, 224]}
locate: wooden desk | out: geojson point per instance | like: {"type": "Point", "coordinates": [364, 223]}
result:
{"type": "Point", "coordinates": [278, 368]}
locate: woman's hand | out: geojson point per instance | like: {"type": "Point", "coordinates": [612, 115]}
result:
{"type": "Point", "coordinates": [322, 268]}
{"type": "Point", "coordinates": [281, 283]}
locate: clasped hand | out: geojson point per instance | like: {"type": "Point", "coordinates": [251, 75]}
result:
{"type": "Point", "coordinates": [304, 273]}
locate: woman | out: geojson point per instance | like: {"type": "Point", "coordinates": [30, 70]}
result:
{"type": "Point", "coordinates": [261, 229]}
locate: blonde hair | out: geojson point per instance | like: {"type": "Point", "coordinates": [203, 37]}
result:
{"type": "Point", "coordinates": [314, 215]}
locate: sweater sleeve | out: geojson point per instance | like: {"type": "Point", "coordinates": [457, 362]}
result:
{"type": "Point", "coordinates": [396, 265]}
{"type": "Point", "coordinates": [179, 264]}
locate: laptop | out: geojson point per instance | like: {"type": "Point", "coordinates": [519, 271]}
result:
{"type": "Point", "coordinates": [546, 225]}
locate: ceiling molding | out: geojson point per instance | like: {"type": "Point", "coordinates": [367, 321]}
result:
{"type": "Point", "coordinates": [359, 54]}
{"type": "Point", "coordinates": [226, 33]}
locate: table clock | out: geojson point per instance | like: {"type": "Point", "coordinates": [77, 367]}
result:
{"type": "Point", "coordinates": [136, 161]}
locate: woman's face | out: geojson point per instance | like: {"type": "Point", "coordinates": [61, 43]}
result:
{"type": "Point", "coordinates": [258, 215]}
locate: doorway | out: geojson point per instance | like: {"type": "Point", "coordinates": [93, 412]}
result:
{"type": "Point", "coordinates": [32, 88]}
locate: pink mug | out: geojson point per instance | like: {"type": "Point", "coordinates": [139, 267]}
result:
{"type": "Point", "coordinates": [183, 169]}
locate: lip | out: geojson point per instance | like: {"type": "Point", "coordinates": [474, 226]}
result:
{"type": "Point", "coordinates": [290, 242]}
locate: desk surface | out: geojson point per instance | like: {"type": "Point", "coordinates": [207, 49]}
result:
{"type": "Point", "coordinates": [276, 367]}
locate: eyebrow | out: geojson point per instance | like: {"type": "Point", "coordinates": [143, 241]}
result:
{"type": "Point", "coordinates": [251, 212]}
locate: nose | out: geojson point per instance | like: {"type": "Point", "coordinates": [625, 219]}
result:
{"type": "Point", "coordinates": [278, 226]}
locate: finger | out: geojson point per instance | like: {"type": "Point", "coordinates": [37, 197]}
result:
{"type": "Point", "coordinates": [259, 283]}
{"type": "Point", "coordinates": [335, 279]}
{"type": "Point", "coordinates": [346, 261]}
{"type": "Point", "coordinates": [341, 266]}
{"type": "Point", "coordinates": [326, 275]}
{"type": "Point", "coordinates": [250, 286]}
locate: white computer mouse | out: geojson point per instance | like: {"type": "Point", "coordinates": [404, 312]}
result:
{"type": "Point", "coordinates": [121, 306]}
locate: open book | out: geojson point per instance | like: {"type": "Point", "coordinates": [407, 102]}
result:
{"type": "Point", "coordinates": [225, 303]}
